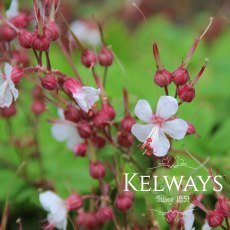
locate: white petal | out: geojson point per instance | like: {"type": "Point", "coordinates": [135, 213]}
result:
{"type": "Point", "coordinates": [58, 219]}
{"type": "Point", "coordinates": [167, 106]}
{"type": "Point", "coordinates": [206, 226]}
{"type": "Point", "coordinates": [74, 140]}
{"type": "Point", "coordinates": [176, 128]}
{"type": "Point", "coordinates": [62, 131]}
{"type": "Point", "coordinates": [143, 111]}
{"type": "Point", "coordinates": [161, 146]}
{"type": "Point", "coordinates": [188, 219]}
{"type": "Point", "coordinates": [141, 132]}
{"type": "Point", "coordinates": [86, 97]}
{"type": "Point", "coordinates": [6, 97]}
{"type": "Point", "coordinates": [61, 113]}
{"type": "Point", "coordinates": [13, 10]}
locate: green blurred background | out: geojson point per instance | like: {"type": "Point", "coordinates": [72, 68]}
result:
{"type": "Point", "coordinates": [174, 26]}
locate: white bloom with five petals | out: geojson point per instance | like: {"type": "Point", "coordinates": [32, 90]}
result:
{"type": "Point", "coordinates": [64, 130]}
{"type": "Point", "coordinates": [8, 92]}
{"type": "Point", "coordinates": [56, 208]}
{"type": "Point", "coordinates": [153, 134]}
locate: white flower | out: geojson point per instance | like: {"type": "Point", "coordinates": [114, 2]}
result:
{"type": "Point", "coordinates": [86, 33]}
{"type": "Point", "coordinates": [13, 9]}
{"type": "Point", "coordinates": [206, 226]}
{"type": "Point", "coordinates": [160, 123]}
{"type": "Point", "coordinates": [86, 97]}
{"type": "Point", "coordinates": [8, 92]}
{"type": "Point", "coordinates": [64, 130]}
{"type": "Point", "coordinates": [189, 218]}
{"type": "Point", "coordinates": [56, 208]}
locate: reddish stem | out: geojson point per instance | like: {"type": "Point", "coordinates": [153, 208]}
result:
{"type": "Point", "coordinates": [157, 57]}
{"type": "Point", "coordinates": [200, 72]}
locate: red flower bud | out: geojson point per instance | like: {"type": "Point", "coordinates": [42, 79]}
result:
{"type": "Point", "coordinates": [163, 78]}
{"type": "Point", "coordinates": [171, 216]}
{"type": "Point", "coordinates": [84, 130]}
{"type": "Point", "coordinates": [21, 57]}
{"type": "Point", "coordinates": [74, 201]}
{"type": "Point", "coordinates": [105, 57]}
{"type": "Point", "coordinates": [17, 74]}
{"type": "Point", "coordinates": [126, 123]}
{"type": "Point", "coordinates": [7, 33]}
{"type": "Point", "coordinates": [8, 112]}
{"type": "Point", "coordinates": [222, 206]}
{"type": "Point", "coordinates": [180, 76]}
{"type": "Point", "coordinates": [125, 139]}
{"type": "Point", "coordinates": [54, 30]}
{"type": "Point", "coordinates": [38, 107]}
{"type": "Point", "coordinates": [72, 113]}
{"type": "Point", "coordinates": [98, 142]}
{"type": "Point", "coordinates": [88, 58]}
{"type": "Point", "coordinates": [186, 93]}
{"type": "Point", "coordinates": [42, 42]}
{"type": "Point", "coordinates": [100, 119]}
{"type": "Point", "coordinates": [109, 111]}
{"type": "Point", "coordinates": [105, 214]}
{"type": "Point", "coordinates": [49, 82]}
{"type": "Point", "coordinates": [20, 21]}
{"type": "Point", "coordinates": [80, 149]}
{"type": "Point", "coordinates": [26, 38]}
{"type": "Point", "coordinates": [97, 170]}
{"type": "Point", "coordinates": [87, 220]}
{"type": "Point", "coordinates": [70, 85]}
{"type": "Point", "coordinates": [191, 129]}
{"type": "Point", "coordinates": [214, 218]}
{"type": "Point", "coordinates": [124, 201]}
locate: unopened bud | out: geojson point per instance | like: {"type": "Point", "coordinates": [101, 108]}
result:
{"type": "Point", "coordinates": [222, 206]}
{"type": "Point", "coordinates": [171, 216]}
{"type": "Point", "coordinates": [73, 202]}
{"type": "Point", "coordinates": [163, 78]}
{"type": "Point", "coordinates": [20, 21]}
{"type": "Point", "coordinates": [88, 58]}
{"type": "Point", "coordinates": [105, 57]}
{"type": "Point", "coordinates": [214, 218]}
{"type": "Point", "coordinates": [124, 201]}
{"type": "Point", "coordinates": [191, 129]}
{"type": "Point", "coordinates": [109, 111]}
{"type": "Point", "coordinates": [180, 76]}
{"type": "Point", "coordinates": [80, 149]}
{"type": "Point", "coordinates": [126, 123]}
{"type": "Point", "coordinates": [98, 142]}
{"type": "Point", "coordinates": [38, 107]}
{"type": "Point", "coordinates": [72, 113]}
{"type": "Point", "coordinates": [105, 214]}
{"type": "Point", "coordinates": [41, 42]}
{"type": "Point", "coordinates": [54, 30]}
{"type": "Point", "coordinates": [186, 92]}
{"type": "Point", "coordinates": [8, 112]}
{"type": "Point", "coordinates": [125, 139]}
{"type": "Point", "coordinates": [26, 38]}
{"type": "Point", "coordinates": [87, 220]}
{"type": "Point", "coordinates": [84, 130]}
{"type": "Point", "coordinates": [7, 33]}
{"type": "Point", "coordinates": [49, 82]}
{"type": "Point", "coordinates": [97, 170]}
{"type": "Point", "coordinates": [70, 85]}
{"type": "Point", "coordinates": [17, 74]}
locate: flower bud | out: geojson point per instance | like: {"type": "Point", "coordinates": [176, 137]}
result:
{"type": "Point", "coordinates": [49, 82]}
{"type": "Point", "coordinates": [38, 107]}
{"type": "Point", "coordinates": [70, 85]}
{"type": "Point", "coordinates": [214, 218]}
{"type": "Point", "coordinates": [8, 112]}
{"type": "Point", "coordinates": [126, 123]}
{"type": "Point", "coordinates": [125, 139]}
{"type": "Point", "coordinates": [88, 58]}
{"type": "Point", "coordinates": [222, 206]}
{"type": "Point", "coordinates": [97, 170]}
{"type": "Point", "coordinates": [17, 74]}
{"type": "Point", "coordinates": [54, 30]}
{"type": "Point", "coordinates": [180, 76]}
{"type": "Point", "coordinates": [42, 42]}
{"type": "Point", "coordinates": [124, 201]}
{"type": "Point", "coordinates": [84, 130]}
{"type": "Point", "coordinates": [105, 57]}
{"type": "Point", "coordinates": [87, 220]}
{"type": "Point", "coordinates": [100, 119]}
{"type": "Point", "coordinates": [20, 21]}
{"type": "Point", "coordinates": [7, 33]}
{"type": "Point", "coordinates": [74, 201]}
{"type": "Point", "coordinates": [163, 78]}
{"type": "Point", "coordinates": [186, 93]}
{"type": "Point", "coordinates": [80, 149]}
{"type": "Point", "coordinates": [26, 38]}
{"type": "Point", "coordinates": [105, 214]}
{"type": "Point", "coordinates": [171, 216]}
{"type": "Point", "coordinates": [98, 142]}
{"type": "Point", "coordinates": [72, 113]}
{"type": "Point", "coordinates": [191, 129]}
{"type": "Point", "coordinates": [21, 57]}
{"type": "Point", "coordinates": [109, 111]}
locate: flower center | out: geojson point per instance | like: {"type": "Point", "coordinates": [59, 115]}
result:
{"type": "Point", "coordinates": [158, 120]}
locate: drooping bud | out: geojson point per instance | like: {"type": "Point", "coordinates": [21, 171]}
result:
{"type": "Point", "coordinates": [88, 58]}
{"type": "Point", "coordinates": [70, 85]}
{"type": "Point", "coordinates": [108, 110]}
{"type": "Point", "coordinates": [87, 220]}
{"type": "Point", "coordinates": [98, 142]}
{"type": "Point", "coordinates": [73, 202]}
{"type": "Point", "coordinates": [97, 170]}
{"type": "Point", "coordinates": [26, 38]}
{"type": "Point", "coordinates": [17, 74]}
{"type": "Point", "coordinates": [38, 107]}
{"type": "Point", "coordinates": [100, 119]}
{"type": "Point", "coordinates": [105, 214]}
{"type": "Point", "coordinates": [20, 21]}
{"type": "Point", "coordinates": [214, 218]}
{"type": "Point", "coordinates": [126, 123]}
{"type": "Point", "coordinates": [125, 139]}
{"type": "Point", "coordinates": [171, 216]}
{"type": "Point", "coordinates": [7, 33]}
{"type": "Point", "coordinates": [191, 129]}
{"type": "Point", "coordinates": [72, 113]}
{"type": "Point", "coordinates": [54, 30]}
{"type": "Point", "coordinates": [186, 92]}
{"type": "Point", "coordinates": [8, 112]}
{"type": "Point", "coordinates": [49, 82]}
{"type": "Point", "coordinates": [42, 42]}
{"type": "Point", "coordinates": [222, 206]}
{"type": "Point", "coordinates": [105, 57]}
{"type": "Point", "coordinates": [124, 201]}
{"type": "Point", "coordinates": [80, 149]}
{"type": "Point", "coordinates": [180, 76]}
{"type": "Point", "coordinates": [84, 129]}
